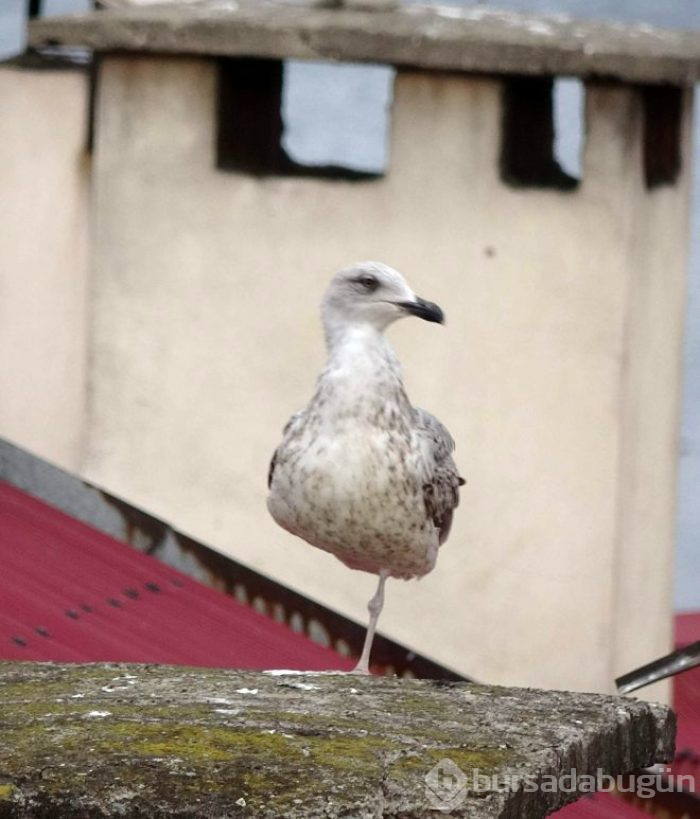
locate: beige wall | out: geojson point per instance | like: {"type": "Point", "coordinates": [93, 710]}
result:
{"type": "Point", "coordinates": [558, 370]}
{"type": "Point", "coordinates": [651, 374]}
{"type": "Point", "coordinates": [43, 261]}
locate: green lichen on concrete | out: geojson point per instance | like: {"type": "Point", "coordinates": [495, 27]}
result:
{"type": "Point", "coordinates": [262, 765]}
{"type": "Point", "coordinates": [7, 791]}
{"type": "Point", "coordinates": [488, 761]}
{"type": "Point", "coordinates": [425, 728]}
{"type": "Point", "coordinates": [106, 740]}
{"type": "Point", "coordinates": [198, 748]}
{"type": "Point", "coordinates": [17, 686]}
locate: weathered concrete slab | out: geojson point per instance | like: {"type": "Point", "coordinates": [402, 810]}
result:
{"type": "Point", "coordinates": [152, 741]}
{"type": "Point", "coordinates": [436, 37]}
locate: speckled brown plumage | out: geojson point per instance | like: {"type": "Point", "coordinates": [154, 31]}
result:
{"type": "Point", "coordinates": [360, 472]}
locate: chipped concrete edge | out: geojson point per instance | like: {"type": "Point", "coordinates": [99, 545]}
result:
{"type": "Point", "coordinates": [437, 38]}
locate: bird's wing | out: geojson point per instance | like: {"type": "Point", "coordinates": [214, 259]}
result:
{"type": "Point", "coordinates": [441, 490]}
{"type": "Point", "coordinates": [288, 428]}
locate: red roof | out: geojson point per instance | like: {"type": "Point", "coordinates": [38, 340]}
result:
{"type": "Point", "coordinates": [687, 627]}
{"type": "Point", "coordinates": [686, 703]}
{"type": "Point", "coordinates": [599, 806]}
{"type": "Point", "coordinates": [70, 593]}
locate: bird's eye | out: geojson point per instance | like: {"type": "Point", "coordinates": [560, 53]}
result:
{"type": "Point", "coordinates": [368, 283]}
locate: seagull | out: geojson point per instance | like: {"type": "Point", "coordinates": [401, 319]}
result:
{"type": "Point", "coordinates": [360, 472]}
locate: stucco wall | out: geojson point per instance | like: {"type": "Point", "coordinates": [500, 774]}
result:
{"type": "Point", "coordinates": [564, 316]}
{"type": "Point", "coordinates": [43, 268]}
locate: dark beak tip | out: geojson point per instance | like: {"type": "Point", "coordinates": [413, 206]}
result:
{"type": "Point", "coordinates": [425, 310]}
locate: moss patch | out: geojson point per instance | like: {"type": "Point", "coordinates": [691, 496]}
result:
{"type": "Point", "coordinates": [118, 743]}
{"type": "Point", "coordinates": [7, 791]}
{"type": "Point", "coordinates": [136, 741]}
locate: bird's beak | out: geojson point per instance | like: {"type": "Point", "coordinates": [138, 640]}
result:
{"type": "Point", "coordinates": [423, 309]}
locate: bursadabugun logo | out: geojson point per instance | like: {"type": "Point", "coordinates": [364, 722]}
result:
{"type": "Point", "coordinates": [447, 786]}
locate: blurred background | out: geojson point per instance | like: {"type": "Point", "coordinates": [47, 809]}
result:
{"type": "Point", "coordinates": [180, 357]}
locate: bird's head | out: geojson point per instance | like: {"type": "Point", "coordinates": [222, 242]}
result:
{"type": "Point", "coordinates": [374, 294]}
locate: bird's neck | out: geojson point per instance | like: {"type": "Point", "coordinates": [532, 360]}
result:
{"type": "Point", "coordinates": [362, 373]}
{"type": "Point", "coordinates": [362, 352]}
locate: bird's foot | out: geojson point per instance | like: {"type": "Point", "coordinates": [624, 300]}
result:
{"type": "Point", "coordinates": [361, 669]}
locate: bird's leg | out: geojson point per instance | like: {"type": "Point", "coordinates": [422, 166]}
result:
{"type": "Point", "coordinates": [374, 607]}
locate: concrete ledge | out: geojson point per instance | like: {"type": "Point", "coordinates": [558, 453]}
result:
{"type": "Point", "coordinates": [155, 741]}
{"type": "Point", "coordinates": [437, 37]}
